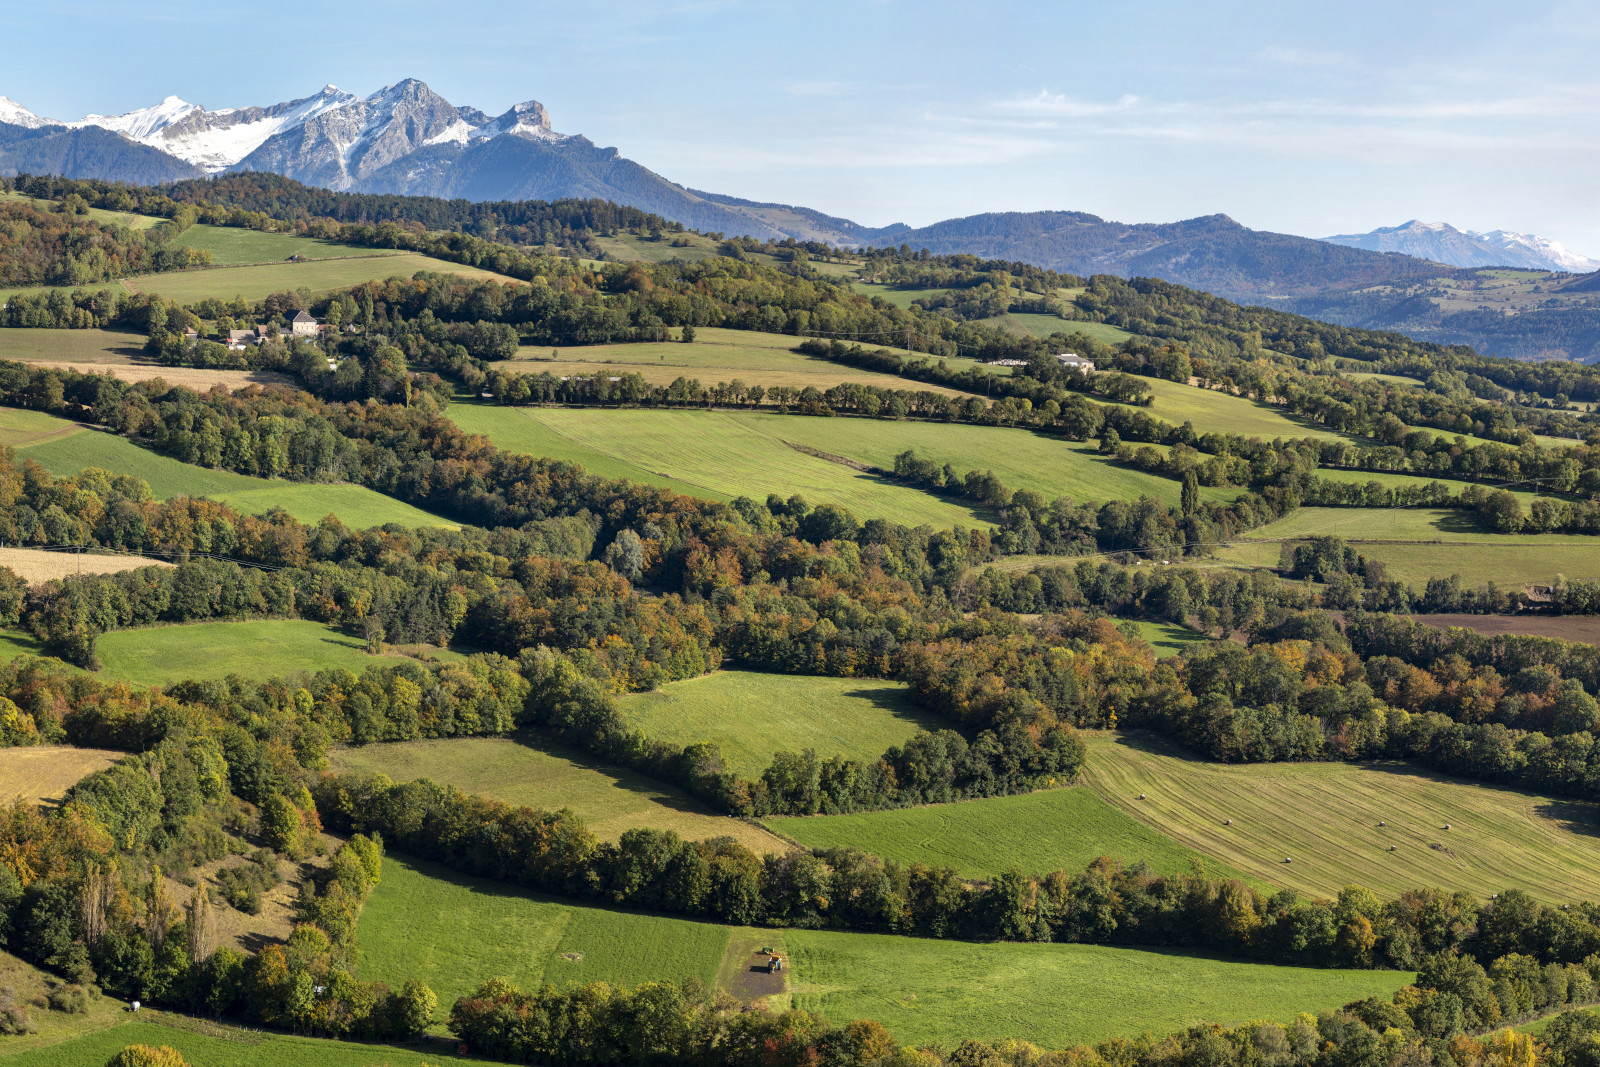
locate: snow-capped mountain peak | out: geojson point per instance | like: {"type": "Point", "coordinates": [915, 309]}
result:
{"type": "Point", "coordinates": [145, 123]}
{"type": "Point", "coordinates": [1558, 255]}
{"type": "Point", "coordinates": [1443, 243]}
{"type": "Point", "coordinates": [17, 115]}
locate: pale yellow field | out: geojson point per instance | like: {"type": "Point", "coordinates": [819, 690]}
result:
{"type": "Point", "coordinates": [35, 565]}
{"type": "Point", "coordinates": [45, 772]}
{"type": "Point", "coordinates": [197, 378]}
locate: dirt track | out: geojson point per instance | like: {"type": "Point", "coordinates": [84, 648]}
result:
{"type": "Point", "coordinates": [198, 378]}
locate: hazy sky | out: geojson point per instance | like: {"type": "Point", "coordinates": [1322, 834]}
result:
{"type": "Point", "coordinates": [1310, 118]}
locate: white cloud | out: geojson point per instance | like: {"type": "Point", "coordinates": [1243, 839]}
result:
{"type": "Point", "coordinates": [1057, 104]}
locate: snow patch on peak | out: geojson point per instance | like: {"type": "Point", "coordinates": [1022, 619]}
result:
{"type": "Point", "coordinates": [146, 122]}
{"type": "Point", "coordinates": [1558, 255]}
{"type": "Point", "coordinates": [17, 115]}
{"type": "Point", "coordinates": [458, 132]}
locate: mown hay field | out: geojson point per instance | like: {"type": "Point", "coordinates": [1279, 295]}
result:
{"type": "Point", "coordinates": [65, 448]}
{"type": "Point", "coordinates": [257, 648]}
{"type": "Point", "coordinates": [1324, 818]}
{"type": "Point", "coordinates": [35, 565]}
{"type": "Point", "coordinates": [44, 772]}
{"type": "Point", "coordinates": [232, 246]}
{"type": "Point", "coordinates": [721, 455]}
{"type": "Point", "coordinates": [318, 275]}
{"type": "Point", "coordinates": [28, 345]}
{"type": "Point", "coordinates": [1048, 830]}
{"type": "Point", "coordinates": [713, 455]}
{"type": "Point", "coordinates": [1215, 410]}
{"type": "Point", "coordinates": [1584, 629]}
{"type": "Point", "coordinates": [926, 991]}
{"type": "Point", "coordinates": [608, 799]}
{"type": "Point", "coordinates": [751, 715]}
{"type": "Point", "coordinates": [455, 932]}
{"type": "Point", "coordinates": [715, 355]}
{"type": "Point", "coordinates": [1421, 543]}
{"type": "Point", "coordinates": [199, 379]}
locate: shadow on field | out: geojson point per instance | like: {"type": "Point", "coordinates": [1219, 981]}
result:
{"type": "Point", "coordinates": [656, 791]}
{"type": "Point", "coordinates": [1573, 816]}
{"type": "Point", "coordinates": [1459, 521]}
{"type": "Point", "coordinates": [1156, 745]}
{"type": "Point", "coordinates": [899, 706]}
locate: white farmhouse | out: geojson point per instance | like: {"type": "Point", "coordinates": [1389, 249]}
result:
{"type": "Point", "coordinates": [1073, 361]}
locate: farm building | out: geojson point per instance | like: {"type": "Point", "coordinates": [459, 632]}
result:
{"type": "Point", "coordinates": [1073, 361]}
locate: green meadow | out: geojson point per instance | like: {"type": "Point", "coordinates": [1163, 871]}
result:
{"type": "Point", "coordinates": [943, 992]}
{"type": "Point", "coordinates": [1047, 830]}
{"type": "Point", "coordinates": [65, 448]}
{"type": "Point", "coordinates": [256, 648]}
{"type": "Point", "coordinates": [751, 715]}
{"type": "Point", "coordinates": [714, 455]}
{"type": "Point", "coordinates": [233, 246]}
{"type": "Point", "coordinates": [1418, 543]}
{"type": "Point", "coordinates": [317, 275]}
{"type": "Point", "coordinates": [608, 799]}
{"type": "Point", "coordinates": [715, 355]}
{"type": "Point", "coordinates": [721, 455]}
{"type": "Point", "coordinates": [455, 932]}
{"type": "Point", "coordinates": [1337, 821]}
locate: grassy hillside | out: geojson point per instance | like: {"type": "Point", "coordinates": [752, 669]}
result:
{"type": "Point", "coordinates": [456, 932]}
{"type": "Point", "coordinates": [751, 715]}
{"type": "Point", "coordinates": [232, 246]}
{"type": "Point", "coordinates": [1036, 324]}
{"type": "Point", "coordinates": [715, 455]}
{"type": "Point", "coordinates": [259, 648]}
{"type": "Point", "coordinates": [1324, 817]}
{"type": "Point", "coordinates": [725, 454]}
{"type": "Point", "coordinates": [255, 283]}
{"type": "Point", "coordinates": [44, 772]}
{"type": "Point", "coordinates": [1020, 458]}
{"type": "Point", "coordinates": [942, 992]}
{"type": "Point", "coordinates": [715, 355]}
{"type": "Point", "coordinates": [1419, 543]}
{"type": "Point", "coordinates": [110, 218]}
{"type": "Point", "coordinates": [1050, 830]}
{"type": "Point", "coordinates": [1212, 409]}
{"type": "Point", "coordinates": [70, 346]}
{"type": "Point", "coordinates": [207, 1044]}
{"type": "Point", "coordinates": [608, 799]}
{"type": "Point", "coordinates": [64, 448]}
